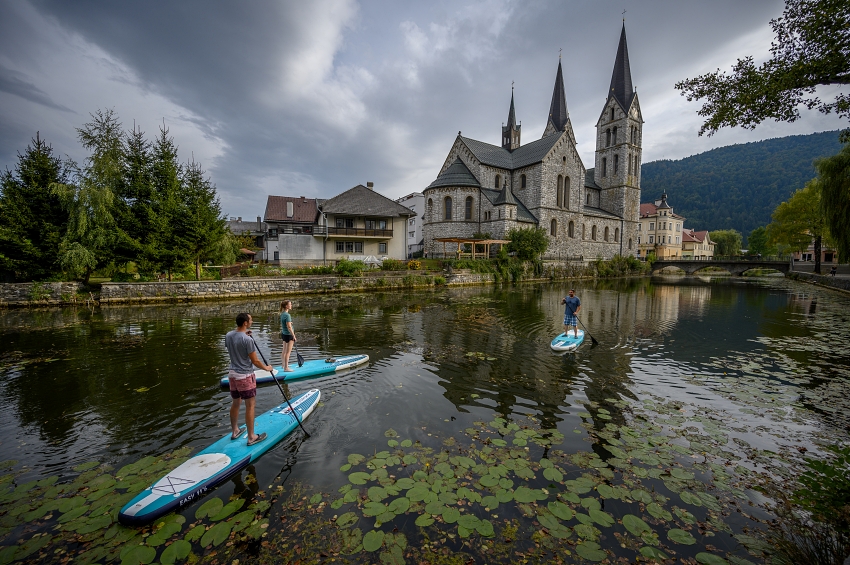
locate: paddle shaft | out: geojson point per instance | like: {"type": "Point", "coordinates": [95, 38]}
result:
{"type": "Point", "coordinates": [294, 413]}
{"type": "Point", "coordinates": [592, 339]}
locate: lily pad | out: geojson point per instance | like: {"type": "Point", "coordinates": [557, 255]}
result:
{"type": "Point", "coordinates": [216, 535]}
{"type": "Point", "coordinates": [653, 553]}
{"type": "Point", "coordinates": [424, 520]}
{"type": "Point", "coordinates": [681, 536]}
{"type": "Point", "coordinates": [227, 510]}
{"type": "Point", "coordinates": [553, 475]}
{"type": "Point", "coordinates": [139, 554]}
{"type": "Point", "coordinates": [373, 540]}
{"type": "Point", "coordinates": [355, 459]}
{"type": "Point", "coordinates": [177, 551]}
{"type": "Point", "coordinates": [591, 551]}
{"type": "Point", "coordinates": [560, 510]}
{"type": "Point", "coordinates": [635, 525]}
{"type": "Point", "coordinates": [710, 559]}
{"type": "Point", "coordinates": [211, 507]}
{"type": "Point", "coordinates": [359, 478]}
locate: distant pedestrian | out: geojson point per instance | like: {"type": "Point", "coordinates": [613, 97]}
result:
{"type": "Point", "coordinates": [833, 270]}
{"type": "Point", "coordinates": [572, 305]}
{"type": "Point", "coordinates": [243, 384]}
{"type": "Point", "coordinates": [287, 334]}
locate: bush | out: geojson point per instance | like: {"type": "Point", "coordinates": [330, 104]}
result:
{"type": "Point", "coordinates": [346, 268]}
{"type": "Point", "coordinates": [392, 265]}
{"type": "Point", "coordinates": [528, 243]}
{"type": "Point", "coordinates": [439, 281]}
{"type": "Point", "coordinates": [414, 265]}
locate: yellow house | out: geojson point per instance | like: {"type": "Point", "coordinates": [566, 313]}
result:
{"type": "Point", "coordinates": [659, 230]}
{"type": "Point", "coordinates": [697, 244]}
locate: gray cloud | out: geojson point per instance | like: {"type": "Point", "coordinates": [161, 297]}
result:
{"type": "Point", "coordinates": [14, 83]}
{"type": "Point", "coordinates": [311, 98]}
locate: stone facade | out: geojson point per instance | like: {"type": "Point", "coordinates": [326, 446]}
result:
{"type": "Point", "coordinates": [587, 213]}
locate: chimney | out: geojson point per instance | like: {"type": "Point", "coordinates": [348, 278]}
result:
{"type": "Point", "coordinates": [239, 219]}
{"type": "Point", "coordinates": [259, 220]}
{"type": "Point", "coordinates": [370, 185]}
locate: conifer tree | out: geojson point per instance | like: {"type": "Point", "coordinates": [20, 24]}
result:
{"type": "Point", "coordinates": [202, 225]}
{"type": "Point", "coordinates": [166, 249]}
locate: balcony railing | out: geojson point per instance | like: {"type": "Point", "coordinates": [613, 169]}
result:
{"type": "Point", "coordinates": [353, 232]}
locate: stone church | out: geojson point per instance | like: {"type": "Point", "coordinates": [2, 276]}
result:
{"type": "Point", "coordinates": [589, 213]}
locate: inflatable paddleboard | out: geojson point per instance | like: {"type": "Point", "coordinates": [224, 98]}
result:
{"type": "Point", "coordinates": [310, 369]}
{"type": "Point", "coordinates": [567, 342]}
{"type": "Point", "coordinates": [216, 464]}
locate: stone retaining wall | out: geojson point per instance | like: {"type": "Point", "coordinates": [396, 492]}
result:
{"type": "Point", "coordinates": [839, 283]}
{"type": "Point", "coordinates": [48, 293]}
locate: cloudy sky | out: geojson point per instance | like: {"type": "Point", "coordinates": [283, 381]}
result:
{"type": "Point", "coordinates": [311, 98]}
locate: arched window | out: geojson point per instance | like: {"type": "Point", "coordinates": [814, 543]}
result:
{"type": "Point", "coordinates": [559, 199]}
{"type": "Point", "coordinates": [604, 166]}
{"type": "Point", "coordinates": [614, 135]}
{"type": "Point", "coordinates": [630, 164]}
{"type": "Point", "coordinates": [447, 208]}
{"type": "Point", "coordinates": [553, 227]}
{"type": "Point", "coordinates": [608, 136]}
{"type": "Point", "coordinates": [630, 243]}
{"type": "Point", "coordinates": [430, 207]}
{"type": "Point", "coordinates": [498, 183]}
{"type": "Point", "coordinates": [616, 234]}
{"type": "Point", "coordinates": [588, 198]}
{"type": "Point", "coordinates": [522, 181]}
{"type": "Point", "coordinates": [566, 192]}
{"type": "Point", "coordinates": [606, 233]}
{"type": "Point", "coordinates": [616, 163]}
{"type": "Point", "coordinates": [584, 231]}
{"type": "Point", "coordinates": [571, 229]}
{"type": "Point", "coordinates": [612, 114]}
{"type": "Point", "coordinates": [468, 208]}
{"type": "Point", "coordinates": [593, 233]}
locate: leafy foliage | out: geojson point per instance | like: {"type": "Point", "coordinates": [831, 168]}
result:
{"type": "Point", "coordinates": [727, 242]}
{"type": "Point", "coordinates": [811, 48]}
{"type": "Point", "coordinates": [835, 196]}
{"type": "Point", "coordinates": [758, 242]}
{"type": "Point", "coordinates": [529, 244]}
{"type": "Point", "coordinates": [798, 221]}
{"type": "Point", "coordinates": [738, 186]}
{"type": "Point", "coordinates": [347, 268]}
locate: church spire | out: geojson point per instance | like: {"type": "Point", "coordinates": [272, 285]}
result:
{"type": "Point", "coordinates": [511, 132]}
{"type": "Point", "coordinates": [558, 114]}
{"type": "Point", "coordinates": [621, 79]}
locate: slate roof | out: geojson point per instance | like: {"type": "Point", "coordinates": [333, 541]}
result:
{"type": "Point", "coordinates": [506, 196]}
{"type": "Point", "coordinates": [522, 156]}
{"type": "Point", "coordinates": [650, 209]}
{"type": "Point", "coordinates": [458, 174]}
{"type": "Point", "coordinates": [589, 181]}
{"type": "Point", "coordinates": [362, 201]}
{"type": "Point", "coordinates": [523, 214]}
{"type": "Point", "coordinates": [305, 210]}
{"type": "Point", "coordinates": [558, 113]}
{"type": "Point", "coordinates": [599, 212]}
{"type": "Point", "coordinates": [622, 89]}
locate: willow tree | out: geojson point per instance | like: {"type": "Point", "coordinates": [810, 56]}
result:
{"type": "Point", "coordinates": [835, 197]}
{"type": "Point", "coordinates": [798, 222]}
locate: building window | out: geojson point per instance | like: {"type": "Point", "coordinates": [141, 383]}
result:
{"type": "Point", "coordinates": [616, 234]}
{"type": "Point", "coordinates": [376, 224]}
{"type": "Point", "coordinates": [616, 163]}
{"type": "Point", "coordinates": [652, 239]}
{"type": "Point", "coordinates": [447, 207]}
{"type": "Point", "coordinates": [553, 227]}
{"type": "Point", "coordinates": [559, 198]}
{"type": "Point", "coordinates": [587, 198]}
{"type": "Point", "coordinates": [411, 234]}
{"type": "Point", "coordinates": [566, 192]}
{"type": "Point", "coordinates": [638, 240]}
{"type": "Point", "coordinates": [604, 166]}
{"type": "Point", "coordinates": [345, 222]}
{"type": "Point", "coordinates": [630, 244]}
{"type": "Point", "coordinates": [571, 229]}
{"type": "Point", "coordinates": [606, 233]}
{"type": "Point", "coordinates": [614, 135]}
{"type": "Point", "coordinates": [498, 183]}
{"type": "Point", "coordinates": [273, 232]}
{"type": "Point", "coordinates": [277, 255]}
{"type": "Point", "coordinates": [612, 114]}
{"type": "Point", "coordinates": [411, 221]}
{"type": "Point", "coordinates": [665, 226]}
{"type": "Point", "coordinates": [608, 137]}
{"type": "Point", "coordinates": [468, 208]}
{"type": "Point", "coordinates": [651, 226]}
{"type": "Point", "coordinates": [593, 233]}
{"type": "Point", "coordinates": [382, 248]}
{"type": "Point", "coordinates": [630, 164]}
{"type": "Point", "coordinates": [678, 227]}
{"type": "Point", "coordinates": [340, 247]}
{"type": "Point", "coordinates": [677, 239]}
{"type": "Point", "coordinates": [522, 181]}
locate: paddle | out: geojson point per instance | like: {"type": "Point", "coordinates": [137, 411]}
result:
{"type": "Point", "coordinates": [294, 413]}
{"type": "Point", "coordinates": [298, 356]}
{"type": "Point", "coordinates": [592, 339]}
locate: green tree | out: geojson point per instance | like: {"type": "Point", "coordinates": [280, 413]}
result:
{"type": "Point", "coordinates": [835, 197]}
{"type": "Point", "coordinates": [32, 219]}
{"type": "Point", "coordinates": [758, 244]}
{"type": "Point", "coordinates": [134, 202]}
{"type": "Point", "coordinates": [89, 241]}
{"type": "Point", "coordinates": [202, 225]}
{"type": "Point", "coordinates": [798, 221]}
{"type": "Point", "coordinates": [811, 48]}
{"type": "Point", "coordinates": [726, 242]}
{"type": "Point", "coordinates": [165, 249]}
{"type": "Point", "coordinates": [528, 243]}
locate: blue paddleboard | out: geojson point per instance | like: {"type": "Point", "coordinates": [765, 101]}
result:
{"type": "Point", "coordinates": [310, 369]}
{"type": "Point", "coordinates": [567, 342]}
{"type": "Point", "coordinates": [215, 464]}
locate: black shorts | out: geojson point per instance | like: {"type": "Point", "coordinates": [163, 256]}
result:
{"type": "Point", "coordinates": [286, 338]}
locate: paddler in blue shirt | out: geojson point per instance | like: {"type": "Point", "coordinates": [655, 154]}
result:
{"type": "Point", "coordinates": [573, 305]}
{"type": "Point", "coordinates": [243, 383]}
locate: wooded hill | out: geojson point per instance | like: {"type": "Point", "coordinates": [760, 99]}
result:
{"type": "Point", "coordinates": [737, 186]}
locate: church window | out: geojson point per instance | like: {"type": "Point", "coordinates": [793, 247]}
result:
{"type": "Point", "coordinates": [559, 200]}
{"type": "Point", "coordinates": [588, 199]}
{"type": "Point", "coordinates": [612, 113]}
{"type": "Point", "coordinates": [498, 183]}
{"type": "Point", "coordinates": [593, 233]}
{"type": "Point", "coordinates": [604, 166]}
{"type": "Point", "coordinates": [553, 227]}
{"type": "Point", "coordinates": [430, 208]}
{"type": "Point", "coordinates": [447, 203]}
{"type": "Point", "coordinates": [606, 233]}
{"type": "Point", "coordinates": [630, 243]}
{"type": "Point", "coordinates": [616, 234]}
{"type": "Point", "coordinates": [608, 137]}
{"type": "Point", "coordinates": [616, 163]}
{"type": "Point", "coordinates": [468, 208]}
{"type": "Point", "coordinates": [614, 135]}
{"type": "Point", "coordinates": [566, 192]}
{"type": "Point", "coordinates": [522, 181]}
{"type": "Point", "coordinates": [630, 163]}
{"type": "Point", "coordinates": [571, 229]}
{"type": "Point", "coordinates": [584, 231]}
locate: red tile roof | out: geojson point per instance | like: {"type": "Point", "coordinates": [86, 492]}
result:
{"type": "Point", "coordinates": [304, 210]}
{"type": "Point", "coordinates": [648, 209]}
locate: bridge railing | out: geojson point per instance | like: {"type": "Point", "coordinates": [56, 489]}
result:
{"type": "Point", "coordinates": [728, 258]}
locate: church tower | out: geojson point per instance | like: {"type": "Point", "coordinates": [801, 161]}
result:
{"type": "Point", "coordinates": [618, 146]}
{"type": "Point", "coordinates": [511, 132]}
{"type": "Point", "coordinates": [559, 117]}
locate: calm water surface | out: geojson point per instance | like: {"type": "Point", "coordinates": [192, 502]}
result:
{"type": "Point", "coordinates": [769, 359]}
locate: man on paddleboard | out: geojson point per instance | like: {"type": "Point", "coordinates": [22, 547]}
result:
{"type": "Point", "coordinates": [243, 383]}
{"type": "Point", "coordinates": [573, 305]}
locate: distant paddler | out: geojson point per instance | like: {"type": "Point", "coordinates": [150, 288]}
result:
{"type": "Point", "coordinates": [572, 307]}
{"type": "Point", "coordinates": [287, 334]}
{"type": "Point", "coordinates": [243, 383]}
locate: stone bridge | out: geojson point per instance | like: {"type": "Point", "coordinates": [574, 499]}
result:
{"type": "Point", "coordinates": [735, 267]}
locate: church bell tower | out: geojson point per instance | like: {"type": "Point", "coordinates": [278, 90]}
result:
{"type": "Point", "coordinates": [511, 132]}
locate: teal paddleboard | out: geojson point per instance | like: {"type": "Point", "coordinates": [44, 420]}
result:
{"type": "Point", "coordinates": [310, 369]}
{"type": "Point", "coordinates": [567, 342]}
{"type": "Point", "coordinates": [216, 464]}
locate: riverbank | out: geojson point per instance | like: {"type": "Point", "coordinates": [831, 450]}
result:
{"type": "Point", "coordinates": [836, 283]}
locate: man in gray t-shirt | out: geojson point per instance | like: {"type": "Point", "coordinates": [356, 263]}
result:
{"type": "Point", "coordinates": [243, 384]}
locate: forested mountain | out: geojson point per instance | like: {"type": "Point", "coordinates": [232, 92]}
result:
{"type": "Point", "coordinates": [738, 186]}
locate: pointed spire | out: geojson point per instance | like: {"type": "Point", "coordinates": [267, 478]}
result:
{"type": "Point", "coordinates": [511, 132]}
{"type": "Point", "coordinates": [558, 114]}
{"type": "Point", "coordinates": [512, 113]}
{"type": "Point", "coordinates": [506, 196]}
{"type": "Point", "coordinates": [621, 79]}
